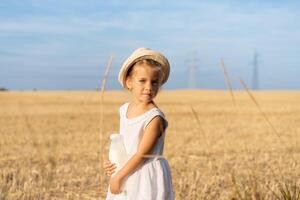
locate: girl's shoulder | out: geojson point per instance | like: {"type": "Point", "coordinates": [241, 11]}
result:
{"type": "Point", "coordinates": [123, 108]}
{"type": "Point", "coordinates": [124, 105]}
{"type": "Point", "coordinates": [154, 112]}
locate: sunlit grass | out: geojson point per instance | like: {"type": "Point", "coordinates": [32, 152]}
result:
{"type": "Point", "coordinates": [50, 148]}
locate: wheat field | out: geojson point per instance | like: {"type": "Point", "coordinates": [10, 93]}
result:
{"type": "Point", "coordinates": [50, 144]}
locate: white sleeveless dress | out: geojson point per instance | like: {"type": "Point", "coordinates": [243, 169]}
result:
{"type": "Point", "coordinates": [152, 180]}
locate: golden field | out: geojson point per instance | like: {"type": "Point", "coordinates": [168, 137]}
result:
{"type": "Point", "coordinates": [50, 144]}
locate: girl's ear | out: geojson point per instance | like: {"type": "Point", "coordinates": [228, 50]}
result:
{"type": "Point", "coordinates": [128, 83]}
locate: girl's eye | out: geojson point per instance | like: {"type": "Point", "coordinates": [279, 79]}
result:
{"type": "Point", "coordinates": [141, 81]}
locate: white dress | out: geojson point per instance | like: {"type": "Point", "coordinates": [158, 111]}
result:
{"type": "Point", "coordinates": [152, 180]}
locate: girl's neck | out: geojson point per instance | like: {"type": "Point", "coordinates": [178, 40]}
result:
{"type": "Point", "coordinates": [142, 105]}
{"type": "Point", "coordinates": [137, 108]}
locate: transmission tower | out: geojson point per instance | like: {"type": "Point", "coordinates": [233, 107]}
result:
{"type": "Point", "coordinates": [255, 77]}
{"type": "Point", "coordinates": [193, 68]}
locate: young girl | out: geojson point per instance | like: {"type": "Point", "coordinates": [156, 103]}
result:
{"type": "Point", "coordinates": [142, 125]}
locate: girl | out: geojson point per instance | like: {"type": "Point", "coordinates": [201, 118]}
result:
{"type": "Point", "coordinates": [142, 125]}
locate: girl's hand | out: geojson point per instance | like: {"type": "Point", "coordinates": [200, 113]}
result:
{"type": "Point", "coordinates": [115, 185]}
{"type": "Point", "coordinates": [109, 167]}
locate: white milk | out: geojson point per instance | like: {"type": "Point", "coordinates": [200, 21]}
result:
{"type": "Point", "coordinates": [117, 153]}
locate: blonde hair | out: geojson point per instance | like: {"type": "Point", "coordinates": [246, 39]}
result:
{"type": "Point", "coordinates": [149, 62]}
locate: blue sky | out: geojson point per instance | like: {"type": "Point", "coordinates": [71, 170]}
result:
{"type": "Point", "coordinates": [62, 44]}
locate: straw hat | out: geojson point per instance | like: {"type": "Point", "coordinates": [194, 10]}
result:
{"type": "Point", "coordinates": [146, 54]}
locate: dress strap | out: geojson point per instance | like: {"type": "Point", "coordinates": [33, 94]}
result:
{"type": "Point", "coordinates": [152, 115]}
{"type": "Point", "coordinates": [122, 109]}
{"type": "Point", "coordinates": [153, 156]}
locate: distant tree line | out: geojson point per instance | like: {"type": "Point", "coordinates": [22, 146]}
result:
{"type": "Point", "coordinates": [3, 89]}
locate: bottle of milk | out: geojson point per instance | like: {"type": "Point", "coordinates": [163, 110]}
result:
{"type": "Point", "coordinates": [117, 151]}
{"type": "Point", "coordinates": [118, 155]}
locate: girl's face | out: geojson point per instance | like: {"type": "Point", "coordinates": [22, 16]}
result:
{"type": "Point", "coordinates": [144, 82]}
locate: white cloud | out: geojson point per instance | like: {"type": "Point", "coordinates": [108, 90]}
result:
{"type": "Point", "coordinates": [214, 28]}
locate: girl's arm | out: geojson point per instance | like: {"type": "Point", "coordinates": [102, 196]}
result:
{"type": "Point", "coordinates": [153, 131]}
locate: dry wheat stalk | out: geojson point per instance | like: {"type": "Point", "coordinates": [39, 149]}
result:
{"type": "Point", "coordinates": [200, 127]}
{"type": "Point", "coordinates": [228, 82]}
{"type": "Point", "coordinates": [229, 86]}
{"type": "Point", "coordinates": [101, 130]}
{"type": "Point", "coordinates": [265, 116]}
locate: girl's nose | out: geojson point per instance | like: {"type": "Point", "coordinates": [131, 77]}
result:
{"type": "Point", "coordinates": [148, 86]}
